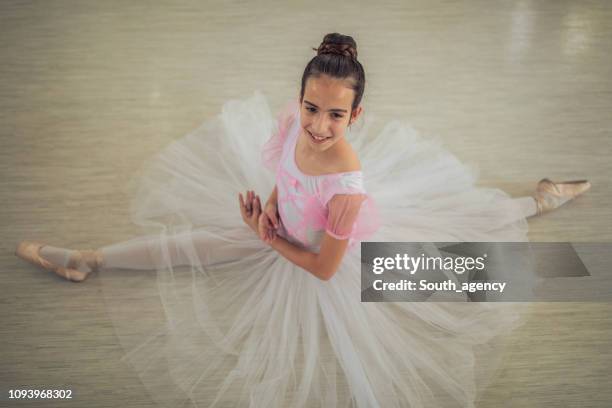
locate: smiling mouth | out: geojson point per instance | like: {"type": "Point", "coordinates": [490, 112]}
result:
{"type": "Point", "coordinates": [318, 139]}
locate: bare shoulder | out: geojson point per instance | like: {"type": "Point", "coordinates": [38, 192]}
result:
{"type": "Point", "coordinates": [347, 159]}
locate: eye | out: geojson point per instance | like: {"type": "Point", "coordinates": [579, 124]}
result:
{"type": "Point", "coordinates": [313, 110]}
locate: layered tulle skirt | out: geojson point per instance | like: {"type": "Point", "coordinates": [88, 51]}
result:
{"type": "Point", "coordinates": [240, 325]}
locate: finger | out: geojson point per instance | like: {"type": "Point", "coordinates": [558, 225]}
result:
{"type": "Point", "coordinates": [241, 201]}
{"type": "Point", "coordinates": [248, 199]}
{"type": "Point", "coordinates": [243, 212]}
{"type": "Point", "coordinates": [268, 222]}
{"type": "Point", "coordinates": [261, 224]}
{"type": "Point", "coordinates": [271, 217]}
{"type": "Point", "coordinates": [256, 207]}
{"type": "Point", "coordinates": [274, 220]}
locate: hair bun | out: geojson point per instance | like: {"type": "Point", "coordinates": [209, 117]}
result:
{"type": "Point", "coordinates": [335, 43]}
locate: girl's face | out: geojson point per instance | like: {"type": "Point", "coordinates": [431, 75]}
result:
{"type": "Point", "coordinates": [325, 111]}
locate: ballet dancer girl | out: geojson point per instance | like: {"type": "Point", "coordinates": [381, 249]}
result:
{"type": "Point", "coordinates": [270, 314]}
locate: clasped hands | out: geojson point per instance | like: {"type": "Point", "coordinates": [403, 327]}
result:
{"type": "Point", "coordinates": [263, 222]}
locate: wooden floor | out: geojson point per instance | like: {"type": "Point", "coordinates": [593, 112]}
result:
{"type": "Point", "coordinates": [88, 90]}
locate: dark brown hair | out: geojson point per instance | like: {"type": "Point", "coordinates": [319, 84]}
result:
{"type": "Point", "coordinates": [337, 57]}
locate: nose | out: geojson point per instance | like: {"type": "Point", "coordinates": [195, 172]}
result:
{"type": "Point", "coordinates": [319, 125]}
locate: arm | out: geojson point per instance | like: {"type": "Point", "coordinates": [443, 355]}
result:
{"type": "Point", "coordinates": [322, 265]}
{"type": "Point", "coordinates": [343, 211]}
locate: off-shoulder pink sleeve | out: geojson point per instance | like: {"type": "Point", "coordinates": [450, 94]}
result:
{"type": "Point", "coordinates": [273, 148]}
{"type": "Point", "coordinates": [352, 216]}
{"type": "Point", "coordinates": [342, 215]}
{"type": "Point", "coordinates": [351, 212]}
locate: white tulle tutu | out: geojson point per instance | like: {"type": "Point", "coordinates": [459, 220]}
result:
{"type": "Point", "coordinates": [243, 326]}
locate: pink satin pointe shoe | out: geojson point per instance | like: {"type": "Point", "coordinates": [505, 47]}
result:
{"type": "Point", "coordinates": [550, 195]}
{"type": "Point", "coordinates": [29, 251]}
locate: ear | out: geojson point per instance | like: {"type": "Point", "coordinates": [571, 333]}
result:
{"type": "Point", "coordinates": [355, 115]}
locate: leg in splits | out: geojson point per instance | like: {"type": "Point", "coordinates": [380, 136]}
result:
{"type": "Point", "coordinates": [143, 253]}
{"type": "Point", "coordinates": [188, 248]}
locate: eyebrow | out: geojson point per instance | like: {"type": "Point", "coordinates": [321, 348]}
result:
{"type": "Point", "coordinates": [331, 110]}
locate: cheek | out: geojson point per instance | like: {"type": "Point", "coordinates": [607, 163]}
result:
{"type": "Point", "coordinates": [305, 121]}
{"type": "Point", "coordinates": [338, 129]}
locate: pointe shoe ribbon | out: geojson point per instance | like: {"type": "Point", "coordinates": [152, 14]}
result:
{"type": "Point", "coordinates": [550, 195]}
{"type": "Point", "coordinates": [29, 251]}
